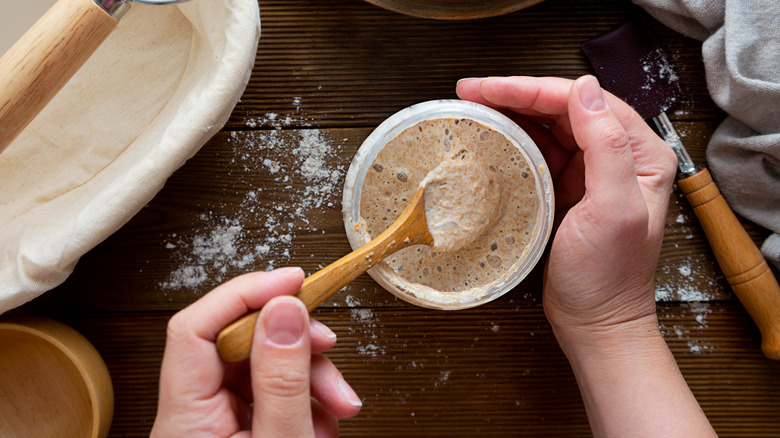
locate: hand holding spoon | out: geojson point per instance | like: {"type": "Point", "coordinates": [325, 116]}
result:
{"type": "Point", "coordinates": [460, 200]}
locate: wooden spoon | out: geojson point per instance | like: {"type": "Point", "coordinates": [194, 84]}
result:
{"type": "Point", "coordinates": [234, 341]}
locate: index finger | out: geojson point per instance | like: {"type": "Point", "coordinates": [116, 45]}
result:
{"type": "Point", "coordinates": [541, 99]}
{"type": "Point", "coordinates": [235, 298]}
{"type": "Point", "coordinates": [532, 96]}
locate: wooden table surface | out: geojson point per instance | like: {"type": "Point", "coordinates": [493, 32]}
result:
{"type": "Point", "coordinates": [328, 72]}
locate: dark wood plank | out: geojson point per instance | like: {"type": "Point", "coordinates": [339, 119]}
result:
{"type": "Point", "coordinates": [136, 263]}
{"type": "Point", "coordinates": [349, 63]}
{"type": "Point", "coordinates": [342, 67]}
{"type": "Point", "coordinates": [480, 372]}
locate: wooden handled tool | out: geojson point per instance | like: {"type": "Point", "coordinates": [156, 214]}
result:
{"type": "Point", "coordinates": [234, 341]}
{"type": "Point", "coordinates": [36, 68]}
{"type": "Point", "coordinates": [44, 59]}
{"type": "Point", "coordinates": [631, 65]}
{"type": "Point", "coordinates": [740, 260]}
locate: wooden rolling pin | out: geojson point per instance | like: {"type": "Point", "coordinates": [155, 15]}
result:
{"type": "Point", "coordinates": [44, 59]}
{"type": "Point", "coordinates": [36, 68]}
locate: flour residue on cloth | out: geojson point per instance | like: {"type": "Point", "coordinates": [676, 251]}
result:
{"type": "Point", "coordinates": [397, 172]}
{"type": "Point", "coordinates": [260, 236]}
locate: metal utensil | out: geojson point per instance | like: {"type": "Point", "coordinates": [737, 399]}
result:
{"type": "Point", "coordinates": [36, 68]}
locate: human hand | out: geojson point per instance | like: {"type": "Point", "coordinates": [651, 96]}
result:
{"type": "Point", "coordinates": [613, 177]}
{"type": "Point", "coordinates": [270, 395]}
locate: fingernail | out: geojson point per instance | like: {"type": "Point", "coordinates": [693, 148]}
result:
{"type": "Point", "coordinates": [291, 271]}
{"type": "Point", "coordinates": [590, 94]}
{"type": "Point", "coordinates": [464, 80]}
{"type": "Point", "coordinates": [284, 322]}
{"type": "Point", "coordinates": [323, 329]}
{"type": "Point", "coordinates": [349, 394]}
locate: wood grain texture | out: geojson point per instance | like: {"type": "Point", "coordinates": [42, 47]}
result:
{"type": "Point", "coordinates": [53, 382]}
{"type": "Point", "coordinates": [479, 372]}
{"type": "Point", "coordinates": [353, 64]}
{"type": "Point", "coordinates": [340, 68]}
{"type": "Point", "coordinates": [453, 9]}
{"type": "Point", "coordinates": [738, 257]}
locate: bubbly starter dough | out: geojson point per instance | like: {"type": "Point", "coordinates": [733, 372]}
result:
{"type": "Point", "coordinates": [462, 200]}
{"type": "Point", "coordinates": [401, 166]}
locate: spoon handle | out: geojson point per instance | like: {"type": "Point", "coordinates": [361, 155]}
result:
{"type": "Point", "coordinates": [234, 342]}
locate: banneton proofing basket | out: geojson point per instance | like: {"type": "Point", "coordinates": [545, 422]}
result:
{"type": "Point", "coordinates": [161, 84]}
{"type": "Point", "coordinates": [390, 128]}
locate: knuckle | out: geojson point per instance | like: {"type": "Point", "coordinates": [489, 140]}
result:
{"type": "Point", "coordinates": [614, 136]}
{"type": "Point", "coordinates": [664, 164]}
{"type": "Point", "coordinates": [284, 381]}
{"type": "Point", "coordinates": [669, 162]}
{"type": "Point", "coordinates": [177, 326]}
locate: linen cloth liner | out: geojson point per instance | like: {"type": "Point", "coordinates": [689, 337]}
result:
{"type": "Point", "coordinates": [162, 84]}
{"type": "Point", "coordinates": [741, 51]}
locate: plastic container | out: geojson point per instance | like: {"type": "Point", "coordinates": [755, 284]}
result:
{"type": "Point", "coordinates": [450, 109]}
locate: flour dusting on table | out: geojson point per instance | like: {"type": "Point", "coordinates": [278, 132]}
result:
{"type": "Point", "coordinates": [689, 281]}
{"type": "Point", "coordinates": [262, 235]}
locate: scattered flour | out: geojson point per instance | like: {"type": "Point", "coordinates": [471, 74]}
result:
{"type": "Point", "coordinates": [362, 315]}
{"type": "Point", "coordinates": [261, 236]}
{"type": "Point", "coordinates": [684, 282]}
{"type": "Point", "coordinates": [658, 68]}
{"type": "Point", "coordinates": [444, 376]}
{"type": "Point", "coordinates": [370, 349]}
{"type": "Point", "coordinates": [692, 287]}
{"type": "Point", "coordinates": [699, 311]}
{"type": "Point", "coordinates": [365, 323]}
{"type": "Point", "coordinates": [273, 120]}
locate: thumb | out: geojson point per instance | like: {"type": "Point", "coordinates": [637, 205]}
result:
{"type": "Point", "coordinates": [610, 175]}
{"type": "Point", "coordinates": [280, 362]}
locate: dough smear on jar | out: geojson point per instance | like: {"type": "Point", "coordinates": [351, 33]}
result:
{"type": "Point", "coordinates": [401, 166]}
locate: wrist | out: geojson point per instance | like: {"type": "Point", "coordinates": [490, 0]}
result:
{"type": "Point", "coordinates": [601, 341]}
{"type": "Point", "coordinates": [630, 382]}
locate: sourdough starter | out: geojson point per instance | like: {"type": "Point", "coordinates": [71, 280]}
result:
{"type": "Point", "coordinates": [462, 200]}
{"type": "Point", "coordinates": [396, 174]}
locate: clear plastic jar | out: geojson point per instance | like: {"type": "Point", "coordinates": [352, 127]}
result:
{"type": "Point", "coordinates": [450, 109]}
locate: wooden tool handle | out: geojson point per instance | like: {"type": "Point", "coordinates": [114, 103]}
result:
{"type": "Point", "coordinates": [34, 70]}
{"type": "Point", "coordinates": [740, 260]}
{"type": "Point", "coordinates": [234, 342]}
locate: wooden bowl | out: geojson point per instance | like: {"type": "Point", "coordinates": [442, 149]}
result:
{"type": "Point", "coordinates": [454, 9]}
{"type": "Point", "coordinates": [53, 383]}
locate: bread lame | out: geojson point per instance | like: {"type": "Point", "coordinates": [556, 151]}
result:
{"type": "Point", "coordinates": [631, 64]}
